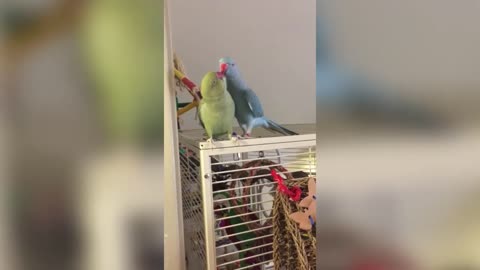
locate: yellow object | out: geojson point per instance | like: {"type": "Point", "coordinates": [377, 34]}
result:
{"type": "Point", "coordinates": [179, 74]}
{"type": "Point", "coordinates": [187, 108]}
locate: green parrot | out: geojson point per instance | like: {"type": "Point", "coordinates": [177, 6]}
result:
{"type": "Point", "coordinates": [123, 41]}
{"type": "Point", "coordinates": [216, 109]}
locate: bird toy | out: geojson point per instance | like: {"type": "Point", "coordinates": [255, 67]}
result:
{"type": "Point", "coordinates": [293, 193]}
{"type": "Point", "coordinates": [307, 218]}
{"type": "Point", "coordinates": [192, 88]}
{"type": "Point", "coordinates": [185, 83]}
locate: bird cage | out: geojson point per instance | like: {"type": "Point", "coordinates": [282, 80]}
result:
{"type": "Point", "coordinates": [228, 194]}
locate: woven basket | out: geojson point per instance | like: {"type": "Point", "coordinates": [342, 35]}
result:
{"type": "Point", "coordinates": [293, 249]}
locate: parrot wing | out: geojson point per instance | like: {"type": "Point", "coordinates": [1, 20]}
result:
{"type": "Point", "coordinates": [253, 103]}
{"type": "Point", "coordinates": [200, 107]}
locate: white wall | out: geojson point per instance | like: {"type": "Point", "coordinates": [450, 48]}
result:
{"type": "Point", "coordinates": [420, 44]}
{"type": "Point", "coordinates": [273, 42]}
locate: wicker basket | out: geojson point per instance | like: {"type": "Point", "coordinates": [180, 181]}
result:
{"type": "Point", "coordinates": [293, 249]}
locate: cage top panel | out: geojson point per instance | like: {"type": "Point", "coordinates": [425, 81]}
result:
{"type": "Point", "coordinates": [197, 137]}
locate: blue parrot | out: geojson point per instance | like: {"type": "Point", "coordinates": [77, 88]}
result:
{"type": "Point", "coordinates": [248, 109]}
{"type": "Point", "coordinates": [340, 91]}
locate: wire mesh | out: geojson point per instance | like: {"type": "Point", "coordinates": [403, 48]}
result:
{"type": "Point", "coordinates": [241, 191]}
{"type": "Point", "coordinates": [194, 231]}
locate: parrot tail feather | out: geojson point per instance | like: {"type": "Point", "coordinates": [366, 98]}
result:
{"type": "Point", "coordinates": [278, 128]}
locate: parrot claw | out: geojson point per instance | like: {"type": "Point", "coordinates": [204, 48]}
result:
{"type": "Point", "coordinates": [243, 137]}
{"type": "Point", "coordinates": [234, 138]}
{"type": "Point", "coordinates": [211, 141]}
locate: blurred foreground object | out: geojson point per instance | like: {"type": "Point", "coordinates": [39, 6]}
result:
{"type": "Point", "coordinates": [124, 47]}
{"type": "Point", "coordinates": [345, 94]}
{"type": "Point", "coordinates": [340, 93]}
{"type": "Point", "coordinates": [6, 248]}
{"type": "Point", "coordinates": [52, 126]}
{"type": "Point", "coordinates": [41, 205]}
{"type": "Point", "coordinates": [121, 203]}
{"type": "Point", "coordinates": [419, 192]}
{"type": "Point", "coordinates": [27, 28]}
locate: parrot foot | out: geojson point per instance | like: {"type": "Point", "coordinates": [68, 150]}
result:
{"type": "Point", "coordinates": [211, 141]}
{"type": "Point", "coordinates": [234, 138]}
{"type": "Point", "coordinates": [243, 137]}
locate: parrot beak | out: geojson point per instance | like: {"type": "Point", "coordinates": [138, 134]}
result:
{"type": "Point", "coordinates": [220, 75]}
{"type": "Point", "coordinates": [223, 68]}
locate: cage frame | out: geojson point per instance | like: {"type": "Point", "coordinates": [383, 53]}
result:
{"type": "Point", "coordinates": [205, 150]}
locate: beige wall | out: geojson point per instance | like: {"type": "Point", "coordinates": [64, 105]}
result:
{"type": "Point", "coordinates": [273, 42]}
{"type": "Point", "coordinates": [422, 44]}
